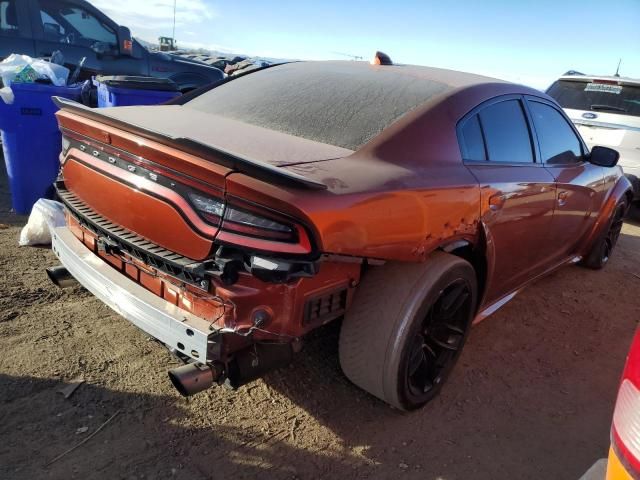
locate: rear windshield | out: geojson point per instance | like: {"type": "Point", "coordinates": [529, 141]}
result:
{"type": "Point", "coordinates": [342, 103]}
{"type": "Point", "coordinates": [603, 97]}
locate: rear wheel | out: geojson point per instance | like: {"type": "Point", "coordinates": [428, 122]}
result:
{"type": "Point", "coordinates": [406, 328]}
{"type": "Point", "coordinates": [602, 249]}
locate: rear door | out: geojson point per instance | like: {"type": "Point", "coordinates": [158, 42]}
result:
{"type": "Point", "coordinates": [579, 184]}
{"type": "Point", "coordinates": [15, 29]}
{"type": "Point", "coordinates": [518, 193]}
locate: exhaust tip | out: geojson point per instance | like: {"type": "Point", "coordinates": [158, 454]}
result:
{"type": "Point", "coordinates": [60, 277]}
{"type": "Point", "coordinates": [192, 378]}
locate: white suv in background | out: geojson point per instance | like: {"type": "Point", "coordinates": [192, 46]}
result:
{"type": "Point", "coordinates": [606, 111]}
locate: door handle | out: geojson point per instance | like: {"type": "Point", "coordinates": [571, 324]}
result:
{"type": "Point", "coordinates": [562, 198]}
{"type": "Point", "coordinates": [496, 201]}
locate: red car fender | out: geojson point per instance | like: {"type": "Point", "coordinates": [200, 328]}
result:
{"type": "Point", "coordinates": [621, 189]}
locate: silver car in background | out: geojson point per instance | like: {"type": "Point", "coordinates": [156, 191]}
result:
{"type": "Point", "coordinates": [606, 111]}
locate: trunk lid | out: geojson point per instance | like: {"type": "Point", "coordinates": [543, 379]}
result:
{"type": "Point", "coordinates": [147, 169]}
{"type": "Point", "coordinates": [140, 185]}
{"type": "Point", "coordinates": [238, 138]}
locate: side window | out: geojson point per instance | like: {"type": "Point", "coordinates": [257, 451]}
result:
{"type": "Point", "coordinates": [472, 141]}
{"type": "Point", "coordinates": [8, 18]}
{"type": "Point", "coordinates": [558, 142]}
{"type": "Point", "coordinates": [68, 23]}
{"type": "Point", "coordinates": [506, 132]}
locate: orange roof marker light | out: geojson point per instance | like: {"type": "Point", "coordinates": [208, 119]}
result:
{"type": "Point", "coordinates": [381, 58]}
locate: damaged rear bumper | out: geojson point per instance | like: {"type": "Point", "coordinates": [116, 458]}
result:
{"type": "Point", "coordinates": [173, 326]}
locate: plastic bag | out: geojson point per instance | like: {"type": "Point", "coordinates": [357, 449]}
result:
{"type": "Point", "coordinates": [57, 57]}
{"type": "Point", "coordinates": [6, 94]}
{"type": "Point", "coordinates": [46, 214]}
{"type": "Point", "coordinates": [16, 67]}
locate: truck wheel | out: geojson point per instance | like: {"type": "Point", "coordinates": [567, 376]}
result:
{"type": "Point", "coordinates": [602, 249]}
{"type": "Point", "coordinates": [406, 328]}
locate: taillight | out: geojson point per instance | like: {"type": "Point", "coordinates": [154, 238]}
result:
{"type": "Point", "coordinates": [253, 225]}
{"type": "Point", "coordinates": [605, 82]}
{"type": "Point", "coordinates": [248, 223]}
{"type": "Point", "coordinates": [210, 208]}
{"type": "Point", "coordinates": [626, 417]}
{"type": "Point", "coordinates": [66, 145]}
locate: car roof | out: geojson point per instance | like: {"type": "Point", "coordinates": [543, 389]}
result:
{"type": "Point", "coordinates": [343, 103]}
{"type": "Point", "coordinates": [451, 78]}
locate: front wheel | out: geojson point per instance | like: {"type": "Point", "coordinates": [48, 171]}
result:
{"type": "Point", "coordinates": [634, 211]}
{"type": "Point", "coordinates": [602, 249]}
{"type": "Point", "coordinates": [406, 328]}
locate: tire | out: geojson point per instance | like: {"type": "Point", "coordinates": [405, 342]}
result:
{"type": "Point", "coordinates": [395, 327]}
{"type": "Point", "coordinates": [603, 247]}
{"type": "Point", "coordinates": [634, 211]}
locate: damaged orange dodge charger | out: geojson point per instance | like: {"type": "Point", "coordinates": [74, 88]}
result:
{"type": "Point", "coordinates": [406, 201]}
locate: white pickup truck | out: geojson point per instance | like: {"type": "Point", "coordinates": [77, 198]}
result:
{"type": "Point", "coordinates": [606, 111]}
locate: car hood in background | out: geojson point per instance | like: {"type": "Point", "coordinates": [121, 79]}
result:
{"type": "Point", "coordinates": [168, 57]}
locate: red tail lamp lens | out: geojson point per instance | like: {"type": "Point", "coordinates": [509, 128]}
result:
{"type": "Point", "coordinates": [626, 417]}
{"type": "Point", "coordinates": [242, 222]}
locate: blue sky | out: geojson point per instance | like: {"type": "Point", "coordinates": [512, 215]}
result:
{"type": "Point", "coordinates": [524, 41]}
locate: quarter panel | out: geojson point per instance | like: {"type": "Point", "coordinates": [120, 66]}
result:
{"type": "Point", "coordinates": [403, 216]}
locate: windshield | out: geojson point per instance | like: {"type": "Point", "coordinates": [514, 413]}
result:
{"type": "Point", "coordinates": [89, 26]}
{"type": "Point", "coordinates": [603, 97]}
{"type": "Point", "coordinates": [337, 103]}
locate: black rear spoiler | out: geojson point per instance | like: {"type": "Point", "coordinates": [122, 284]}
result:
{"type": "Point", "coordinates": [254, 168]}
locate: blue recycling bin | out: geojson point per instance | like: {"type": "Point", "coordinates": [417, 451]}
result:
{"type": "Point", "coordinates": [122, 91]}
{"type": "Point", "coordinates": [31, 141]}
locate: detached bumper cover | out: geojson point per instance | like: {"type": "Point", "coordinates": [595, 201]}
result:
{"type": "Point", "coordinates": [176, 328]}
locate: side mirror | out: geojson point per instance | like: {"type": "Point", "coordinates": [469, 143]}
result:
{"type": "Point", "coordinates": [125, 42]}
{"type": "Point", "coordinates": [604, 156]}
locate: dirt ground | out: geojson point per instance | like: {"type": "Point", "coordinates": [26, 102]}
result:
{"type": "Point", "coordinates": [531, 397]}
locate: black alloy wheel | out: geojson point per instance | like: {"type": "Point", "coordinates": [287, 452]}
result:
{"type": "Point", "coordinates": [438, 342]}
{"type": "Point", "coordinates": [614, 232]}
{"type": "Point", "coordinates": [602, 248]}
{"type": "Point", "coordinates": [403, 348]}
